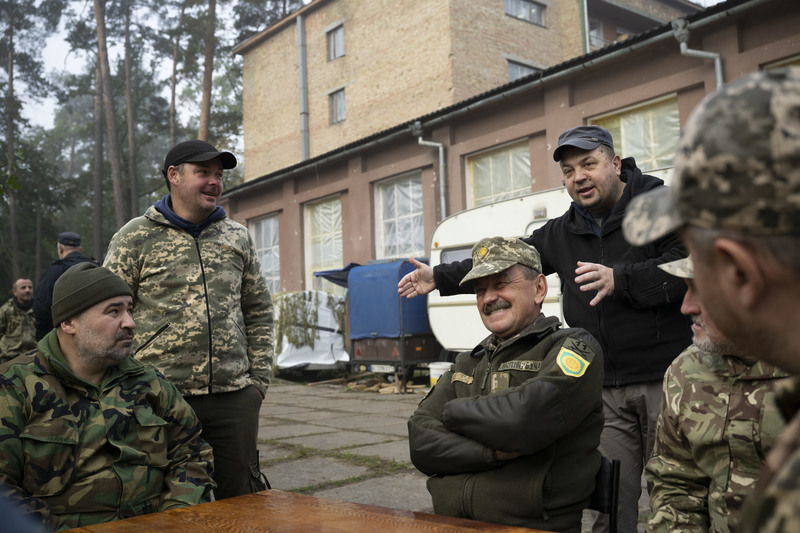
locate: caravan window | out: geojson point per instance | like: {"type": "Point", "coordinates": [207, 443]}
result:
{"type": "Point", "coordinates": [452, 255]}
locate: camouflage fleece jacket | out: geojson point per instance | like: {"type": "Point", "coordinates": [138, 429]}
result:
{"type": "Point", "coordinates": [774, 506]}
{"type": "Point", "coordinates": [17, 330]}
{"type": "Point", "coordinates": [539, 394]}
{"type": "Point", "coordinates": [210, 292]}
{"type": "Point", "coordinates": [715, 425]}
{"type": "Point", "coordinates": [77, 454]}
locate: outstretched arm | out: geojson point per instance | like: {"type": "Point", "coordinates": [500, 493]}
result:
{"type": "Point", "coordinates": [418, 282]}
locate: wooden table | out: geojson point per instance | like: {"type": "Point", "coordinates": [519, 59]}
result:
{"type": "Point", "coordinates": [277, 511]}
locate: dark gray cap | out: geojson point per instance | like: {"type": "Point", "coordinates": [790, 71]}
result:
{"type": "Point", "coordinates": [196, 152]}
{"type": "Point", "coordinates": [583, 137]}
{"type": "Point", "coordinates": [69, 238]}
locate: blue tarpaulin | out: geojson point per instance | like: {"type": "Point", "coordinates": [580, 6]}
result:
{"type": "Point", "coordinates": [376, 310]}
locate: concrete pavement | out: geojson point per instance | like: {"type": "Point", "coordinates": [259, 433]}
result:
{"type": "Point", "coordinates": [327, 441]}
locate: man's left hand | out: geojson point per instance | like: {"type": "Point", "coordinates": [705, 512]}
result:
{"type": "Point", "coordinates": [595, 277]}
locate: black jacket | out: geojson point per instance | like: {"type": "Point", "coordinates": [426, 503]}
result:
{"type": "Point", "coordinates": [640, 328]}
{"type": "Point", "coordinates": [43, 296]}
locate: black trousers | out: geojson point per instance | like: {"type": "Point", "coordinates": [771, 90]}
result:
{"type": "Point", "coordinates": [230, 426]}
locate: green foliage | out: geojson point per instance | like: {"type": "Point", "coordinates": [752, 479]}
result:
{"type": "Point", "coordinates": [12, 180]}
{"type": "Point", "coordinates": [297, 316]}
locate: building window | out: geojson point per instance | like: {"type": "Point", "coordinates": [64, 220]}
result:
{"type": "Point", "coordinates": [596, 39]}
{"type": "Point", "coordinates": [337, 107]}
{"type": "Point", "coordinates": [265, 235]}
{"type": "Point", "coordinates": [323, 242]}
{"type": "Point", "coordinates": [526, 10]}
{"type": "Point", "coordinates": [399, 227]}
{"type": "Point", "coordinates": [519, 70]}
{"type": "Point", "coordinates": [499, 174]}
{"type": "Point", "coordinates": [648, 133]}
{"type": "Point", "coordinates": [335, 43]}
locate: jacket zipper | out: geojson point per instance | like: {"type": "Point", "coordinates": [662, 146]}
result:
{"type": "Point", "coordinates": [208, 316]}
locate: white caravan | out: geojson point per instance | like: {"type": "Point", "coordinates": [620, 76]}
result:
{"type": "Point", "coordinates": [454, 319]}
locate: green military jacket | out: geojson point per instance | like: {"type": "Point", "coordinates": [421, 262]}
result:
{"type": "Point", "coordinates": [77, 454]}
{"type": "Point", "coordinates": [716, 423]}
{"type": "Point", "coordinates": [538, 394]}
{"type": "Point", "coordinates": [17, 330]}
{"type": "Point", "coordinates": [211, 295]}
{"type": "Point", "coordinates": [774, 505]}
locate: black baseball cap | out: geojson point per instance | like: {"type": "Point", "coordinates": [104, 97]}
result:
{"type": "Point", "coordinates": [583, 137]}
{"type": "Point", "coordinates": [196, 152]}
{"type": "Point", "coordinates": [69, 238]}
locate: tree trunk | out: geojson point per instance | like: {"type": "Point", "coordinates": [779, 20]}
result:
{"type": "Point", "coordinates": [10, 113]}
{"type": "Point", "coordinates": [97, 203]}
{"type": "Point", "coordinates": [173, 134]}
{"type": "Point", "coordinates": [208, 72]}
{"type": "Point", "coordinates": [132, 174]}
{"type": "Point", "coordinates": [111, 121]}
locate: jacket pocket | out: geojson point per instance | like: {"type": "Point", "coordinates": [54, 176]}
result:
{"type": "Point", "coordinates": [49, 456]}
{"type": "Point", "coordinates": [151, 438]}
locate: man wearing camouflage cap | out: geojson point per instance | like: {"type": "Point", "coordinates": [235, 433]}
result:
{"type": "Point", "coordinates": [736, 204]}
{"type": "Point", "coordinates": [87, 433]}
{"type": "Point", "coordinates": [510, 433]}
{"type": "Point", "coordinates": [717, 422]}
{"type": "Point", "coordinates": [202, 300]}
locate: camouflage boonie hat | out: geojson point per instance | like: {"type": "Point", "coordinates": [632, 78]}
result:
{"type": "Point", "coordinates": [737, 166]}
{"type": "Point", "coordinates": [682, 268]}
{"type": "Point", "coordinates": [496, 254]}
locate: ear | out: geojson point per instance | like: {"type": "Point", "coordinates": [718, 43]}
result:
{"type": "Point", "coordinates": [172, 175]}
{"type": "Point", "coordinates": [617, 162]}
{"type": "Point", "coordinates": [741, 272]}
{"type": "Point", "coordinates": [540, 288]}
{"type": "Point", "coordinates": [68, 326]}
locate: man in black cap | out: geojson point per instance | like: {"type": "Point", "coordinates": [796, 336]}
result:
{"type": "Point", "coordinates": [70, 252]}
{"type": "Point", "coordinates": [203, 308]}
{"type": "Point", "coordinates": [610, 288]}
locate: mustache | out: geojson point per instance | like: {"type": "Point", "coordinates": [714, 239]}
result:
{"type": "Point", "coordinates": [124, 335]}
{"type": "Point", "coordinates": [499, 305]}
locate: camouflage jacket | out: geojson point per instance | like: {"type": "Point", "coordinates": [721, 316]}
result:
{"type": "Point", "coordinates": [77, 453]}
{"type": "Point", "coordinates": [209, 291]}
{"type": "Point", "coordinates": [716, 423]}
{"type": "Point", "coordinates": [17, 330]}
{"type": "Point", "coordinates": [539, 394]}
{"type": "Point", "coordinates": [774, 506]}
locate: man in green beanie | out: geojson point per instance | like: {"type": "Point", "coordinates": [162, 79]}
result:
{"type": "Point", "coordinates": [510, 434]}
{"type": "Point", "coordinates": [87, 433]}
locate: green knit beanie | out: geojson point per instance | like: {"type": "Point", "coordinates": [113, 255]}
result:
{"type": "Point", "coordinates": [82, 286]}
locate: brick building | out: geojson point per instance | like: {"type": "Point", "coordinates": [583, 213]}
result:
{"type": "Point", "coordinates": [376, 187]}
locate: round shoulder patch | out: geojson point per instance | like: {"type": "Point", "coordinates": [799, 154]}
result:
{"type": "Point", "coordinates": [571, 364]}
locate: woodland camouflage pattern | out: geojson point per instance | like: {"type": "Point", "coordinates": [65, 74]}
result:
{"type": "Point", "coordinates": [716, 423]}
{"type": "Point", "coordinates": [737, 166]}
{"type": "Point", "coordinates": [212, 294]}
{"type": "Point", "coordinates": [496, 254]}
{"type": "Point", "coordinates": [775, 505]}
{"type": "Point", "coordinates": [17, 331]}
{"type": "Point", "coordinates": [76, 453]}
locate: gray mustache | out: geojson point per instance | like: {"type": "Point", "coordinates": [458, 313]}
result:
{"type": "Point", "coordinates": [488, 309]}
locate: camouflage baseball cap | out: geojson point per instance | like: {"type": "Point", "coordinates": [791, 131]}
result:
{"type": "Point", "coordinates": [496, 254]}
{"type": "Point", "coordinates": [737, 166]}
{"type": "Point", "coordinates": [682, 268]}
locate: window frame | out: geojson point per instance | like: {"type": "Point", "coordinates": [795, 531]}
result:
{"type": "Point", "coordinates": [380, 235]}
{"type": "Point", "coordinates": [314, 282]}
{"type": "Point", "coordinates": [335, 40]}
{"type": "Point", "coordinates": [521, 66]}
{"type": "Point", "coordinates": [273, 280]}
{"type": "Point", "coordinates": [525, 10]}
{"type": "Point", "coordinates": [337, 106]}
{"type": "Point", "coordinates": [510, 147]}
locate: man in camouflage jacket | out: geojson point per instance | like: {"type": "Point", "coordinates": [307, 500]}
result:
{"type": "Point", "coordinates": [87, 433]}
{"type": "Point", "coordinates": [17, 331]}
{"type": "Point", "coordinates": [509, 435]}
{"type": "Point", "coordinates": [736, 205]}
{"type": "Point", "coordinates": [716, 424]}
{"type": "Point", "coordinates": [196, 273]}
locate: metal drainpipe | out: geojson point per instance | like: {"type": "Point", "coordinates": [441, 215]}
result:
{"type": "Point", "coordinates": [680, 29]}
{"type": "Point", "coordinates": [416, 130]}
{"type": "Point", "coordinates": [302, 67]}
